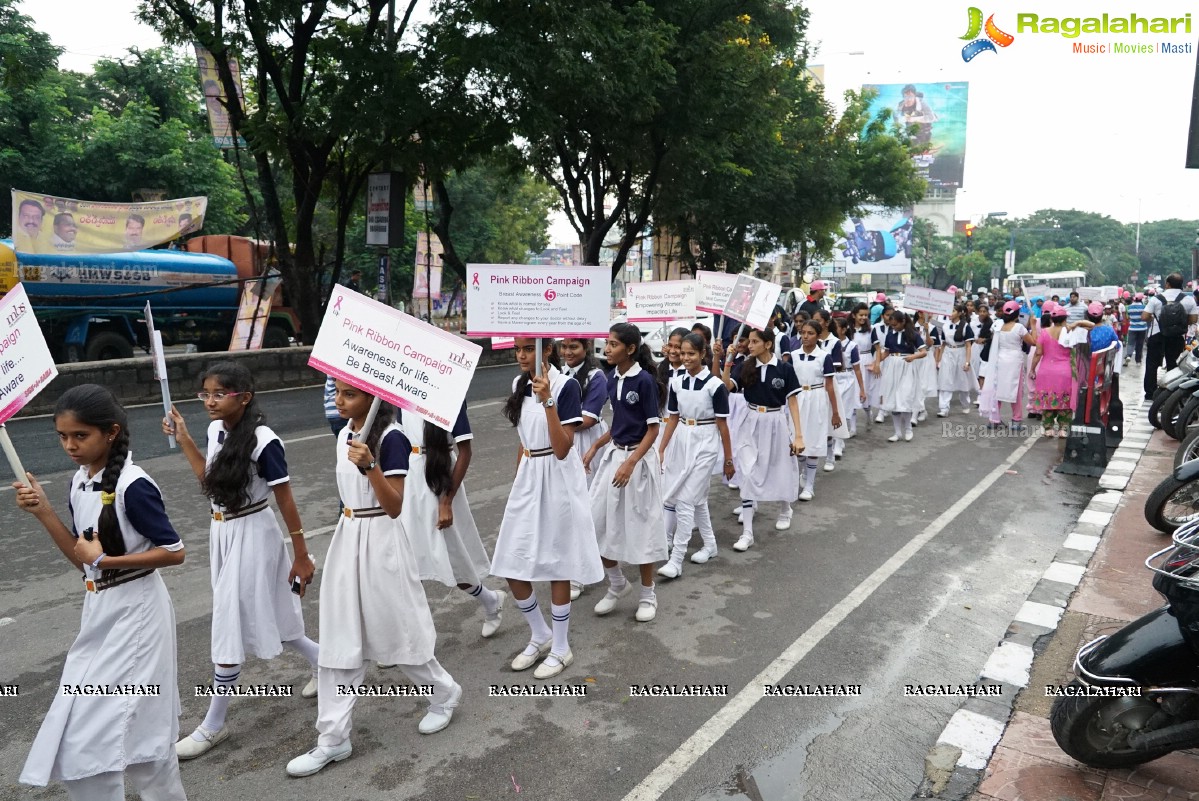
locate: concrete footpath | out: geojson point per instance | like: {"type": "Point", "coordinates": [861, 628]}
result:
{"type": "Point", "coordinates": [1001, 748]}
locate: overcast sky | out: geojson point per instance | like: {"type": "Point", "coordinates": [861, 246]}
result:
{"type": "Point", "coordinates": [1047, 127]}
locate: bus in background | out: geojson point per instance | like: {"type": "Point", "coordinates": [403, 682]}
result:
{"type": "Point", "coordinates": [1062, 283]}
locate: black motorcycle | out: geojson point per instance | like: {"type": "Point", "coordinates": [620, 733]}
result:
{"type": "Point", "coordinates": [1136, 697]}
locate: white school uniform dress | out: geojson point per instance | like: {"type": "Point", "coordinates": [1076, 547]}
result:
{"type": "Point", "coordinates": [453, 555]}
{"type": "Point", "coordinates": [900, 385]}
{"type": "Point", "coordinates": [865, 349]}
{"type": "Point", "coordinates": [737, 414]}
{"type": "Point", "coordinates": [1007, 357]}
{"type": "Point", "coordinates": [845, 379]}
{"type": "Point", "coordinates": [671, 374]}
{"type": "Point", "coordinates": [928, 365]}
{"type": "Point", "coordinates": [547, 533]}
{"type": "Point", "coordinates": [698, 401]}
{"type": "Point", "coordinates": [126, 637]}
{"type": "Point", "coordinates": [628, 520]}
{"type": "Point", "coordinates": [595, 396]}
{"type": "Point", "coordinates": [254, 610]}
{"type": "Point", "coordinates": [373, 606]}
{"type": "Point", "coordinates": [951, 377]}
{"type": "Point", "coordinates": [815, 411]}
{"type": "Point", "coordinates": [766, 469]}
{"type": "Point", "coordinates": [878, 334]}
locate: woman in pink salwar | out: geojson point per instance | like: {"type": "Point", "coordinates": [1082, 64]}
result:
{"type": "Point", "coordinates": [1053, 395]}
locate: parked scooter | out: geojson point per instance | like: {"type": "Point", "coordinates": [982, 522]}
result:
{"type": "Point", "coordinates": [1170, 409]}
{"type": "Point", "coordinates": [1136, 697]}
{"type": "Point", "coordinates": [1175, 501]}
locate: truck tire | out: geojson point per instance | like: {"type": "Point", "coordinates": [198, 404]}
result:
{"type": "Point", "coordinates": [107, 345]}
{"type": "Point", "coordinates": [275, 337]}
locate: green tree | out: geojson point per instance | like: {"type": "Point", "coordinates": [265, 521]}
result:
{"type": "Point", "coordinates": [931, 254]}
{"type": "Point", "coordinates": [1055, 260]}
{"type": "Point", "coordinates": [974, 267]}
{"type": "Point", "coordinates": [1166, 247]}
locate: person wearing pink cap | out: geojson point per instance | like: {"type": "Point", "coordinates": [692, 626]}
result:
{"type": "Point", "coordinates": [815, 301]}
{"type": "Point", "coordinates": [1005, 383]}
{"type": "Point", "coordinates": [1053, 394]}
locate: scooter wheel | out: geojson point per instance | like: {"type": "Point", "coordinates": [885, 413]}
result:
{"type": "Point", "coordinates": [1160, 396]}
{"type": "Point", "coordinates": [1168, 416]}
{"type": "Point", "coordinates": [1095, 730]}
{"type": "Point", "coordinates": [1172, 504]}
{"type": "Point", "coordinates": [1188, 449]}
{"type": "Point", "coordinates": [1188, 417]}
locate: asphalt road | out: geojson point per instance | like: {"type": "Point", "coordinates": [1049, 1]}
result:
{"type": "Point", "coordinates": [907, 568]}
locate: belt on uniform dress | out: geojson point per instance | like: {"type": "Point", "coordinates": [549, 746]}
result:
{"type": "Point", "coordinates": [221, 516]}
{"type": "Point", "coordinates": [703, 421]}
{"type": "Point", "coordinates": [624, 447]}
{"type": "Point", "coordinates": [113, 578]}
{"type": "Point", "coordinates": [810, 387]}
{"type": "Point", "coordinates": [955, 347]}
{"type": "Point", "coordinates": [754, 408]}
{"type": "Point", "coordinates": [533, 454]}
{"type": "Point", "coordinates": [365, 512]}
{"type": "Point", "coordinates": [417, 450]}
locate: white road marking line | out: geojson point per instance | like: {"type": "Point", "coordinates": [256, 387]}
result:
{"type": "Point", "coordinates": [1010, 662]}
{"type": "Point", "coordinates": [485, 404]}
{"type": "Point", "coordinates": [977, 735]}
{"type": "Point", "coordinates": [1065, 573]}
{"type": "Point", "coordinates": [326, 435]}
{"type": "Point", "coordinates": [8, 488]}
{"type": "Point", "coordinates": [1042, 615]}
{"type": "Point", "coordinates": [663, 777]}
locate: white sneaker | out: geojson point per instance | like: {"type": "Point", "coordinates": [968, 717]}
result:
{"type": "Point", "coordinates": [893, 438]}
{"type": "Point", "coordinates": [440, 715]}
{"type": "Point", "coordinates": [734, 485]}
{"type": "Point", "coordinates": [525, 660]}
{"type": "Point", "coordinates": [878, 418]}
{"type": "Point", "coordinates": [907, 436]}
{"type": "Point", "coordinates": [491, 623]}
{"type": "Point", "coordinates": [703, 555]}
{"type": "Point", "coordinates": [784, 522]}
{"type": "Point", "coordinates": [839, 446]}
{"type": "Point", "coordinates": [737, 510]}
{"type": "Point", "coordinates": [921, 416]}
{"type": "Point", "coordinates": [647, 609]}
{"type": "Point", "coordinates": [671, 569]}
{"type": "Point", "coordinates": [807, 495]}
{"type": "Point", "coordinates": [608, 602]}
{"type": "Point", "coordinates": [576, 589]}
{"type": "Point", "coordinates": [744, 542]}
{"type": "Point", "coordinates": [942, 413]}
{"type": "Point", "coordinates": [309, 690]}
{"type": "Point", "coordinates": [200, 742]}
{"type": "Point", "coordinates": [830, 466]}
{"type": "Point", "coordinates": [317, 758]}
{"type": "Point", "coordinates": [553, 665]}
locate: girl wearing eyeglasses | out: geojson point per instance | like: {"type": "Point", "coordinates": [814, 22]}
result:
{"type": "Point", "coordinates": [255, 606]}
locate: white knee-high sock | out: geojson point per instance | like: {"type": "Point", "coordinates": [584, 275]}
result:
{"type": "Point", "coordinates": [486, 597]}
{"type": "Point", "coordinates": [561, 615]}
{"type": "Point", "coordinates": [809, 472]}
{"type": "Point", "coordinates": [906, 418]}
{"type": "Point", "coordinates": [305, 648]}
{"type": "Point", "coordinates": [897, 422]}
{"type": "Point", "coordinates": [223, 678]}
{"type": "Point", "coordinates": [670, 515]}
{"type": "Point", "coordinates": [682, 531]}
{"type": "Point", "coordinates": [616, 579]}
{"type": "Point", "coordinates": [536, 620]}
{"type": "Point", "coordinates": [747, 517]}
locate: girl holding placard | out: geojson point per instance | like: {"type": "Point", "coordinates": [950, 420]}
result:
{"type": "Point", "coordinates": [255, 606]}
{"type": "Point", "coordinates": [766, 447]}
{"type": "Point", "coordinates": [118, 536]}
{"type": "Point", "coordinates": [372, 606]}
{"type": "Point", "coordinates": [546, 533]}
{"type": "Point", "coordinates": [626, 495]}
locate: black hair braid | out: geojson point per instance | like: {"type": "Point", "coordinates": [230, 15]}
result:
{"type": "Point", "coordinates": [439, 463]}
{"type": "Point", "coordinates": [109, 525]}
{"type": "Point", "coordinates": [383, 418]}
{"type": "Point", "coordinates": [516, 400]}
{"type": "Point", "coordinates": [227, 480]}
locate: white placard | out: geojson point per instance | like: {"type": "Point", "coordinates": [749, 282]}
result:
{"type": "Point", "coordinates": [1086, 294]}
{"type": "Point", "coordinates": [752, 301]}
{"type": "Point", "coordinates": [521, 301]}
{"type": "Point", "coordinates": [933, 301]}
{"type": "Point", "coordinates": [1111, 292]}
{"type": "Point", "coordinates": [662, 301]}
{"type": "Point", "coordinates": [26, 366]}
{"type": "Point", "coordinates": [714, 290]}
{"type": "Point", "coordinates": [1037, 291]}
{"type": "Point", "coordinates": [414, 365]}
